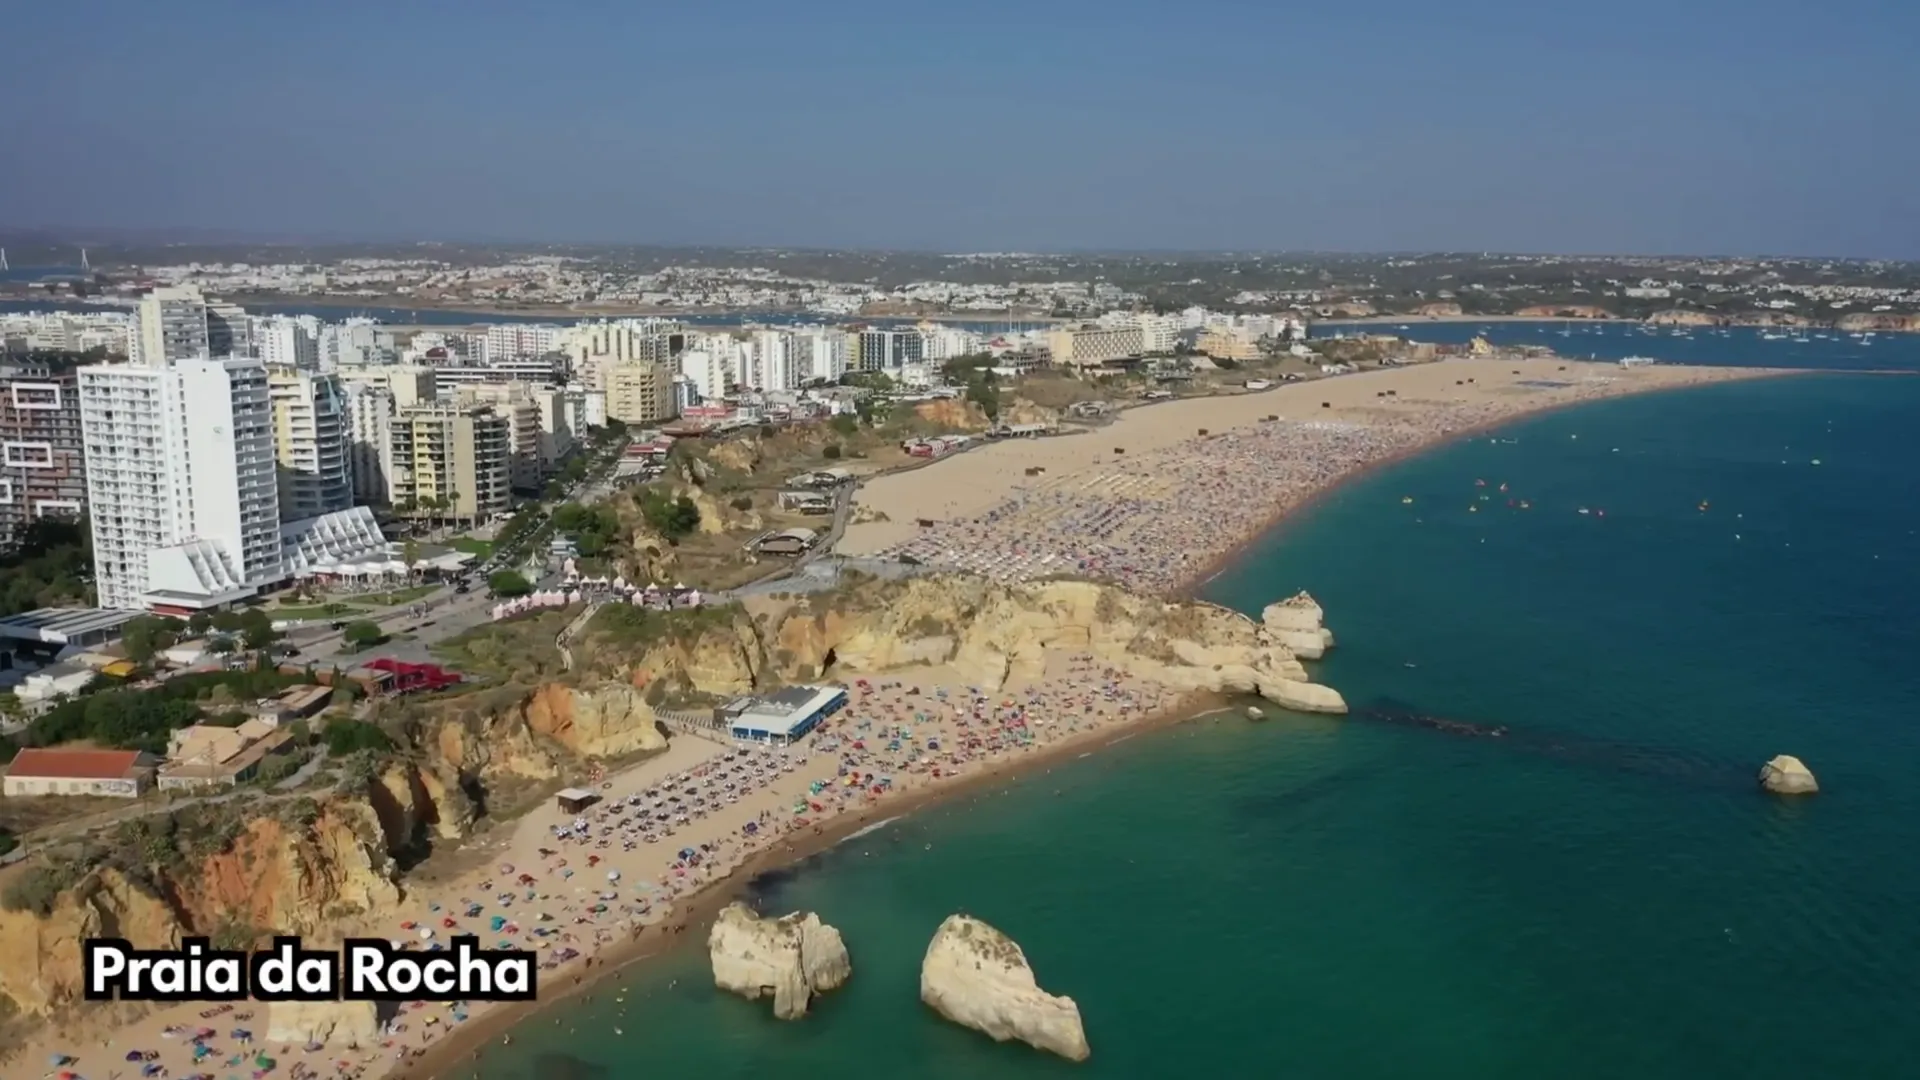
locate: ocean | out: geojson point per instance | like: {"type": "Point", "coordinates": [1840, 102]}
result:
{"type": "Point", "coordinates": [1600, 890]}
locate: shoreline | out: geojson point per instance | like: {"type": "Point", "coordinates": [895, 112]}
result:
{"type": "Point", "coordinates": [696, 909]}
{"type": "Point", "coordinates": [1278, 523]}
{"type": "Point", "coordinates": [444, 1059]}
{"type": "Point", "coordinates": [469, 1040]}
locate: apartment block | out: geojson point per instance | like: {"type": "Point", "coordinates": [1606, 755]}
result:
{"type": "Point", "coordinates": [1088, 346]}
{"type": "Point", "coordinates": [642, 393]}
{"type": "Point", "coordinates": [459, 455]}
{"type": "Point", "coordinates": [181, 482]}
{"type": "Point", "coordinates": [170, 324]}
{"type": "Point", "coordinates": [370, 412]}
{"type": "Point", "coordinates": [515, 402]}
{"type": "Point", "coordinates": [310, 439]}
{"type": "Point", "coordinates": [42, 455]}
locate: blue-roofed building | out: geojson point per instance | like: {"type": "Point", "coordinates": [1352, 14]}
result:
{"type": "Point", "coordinates": [781, 717]}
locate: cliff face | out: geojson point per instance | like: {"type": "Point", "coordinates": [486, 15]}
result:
{"type": "Point", "coordinates": [299, 865]}
{"type": "Point", "coordinates": [790, 959]}
{"type": "Point", "coordinates": [977, 977]}
{"type": "Point", "coordinates": [1882, 321]}
{"type": "Point", "coordinates": [990, 633]}
{"type": "Point", "coordinates": [296, 869]}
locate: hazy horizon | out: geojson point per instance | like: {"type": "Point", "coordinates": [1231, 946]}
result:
{"type": "Point", "coordinates": [1497, 127]}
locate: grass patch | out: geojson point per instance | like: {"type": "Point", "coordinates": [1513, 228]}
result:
{"type": "Point", "coordinates": [398, 596]}
{"type": "Point", "coordinates": [520, 649]}
{"type": "Point", "coordinates": [472, 545]}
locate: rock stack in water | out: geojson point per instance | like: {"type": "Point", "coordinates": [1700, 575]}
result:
{"type": "Point", "coordinates": [1296, 623]}
{"type": "Point", "coordinates": [977, 977]}
{"type": "Point", "coordinates": [1788, 775]}
{"type": "Point", "coordinates": [790, 958]}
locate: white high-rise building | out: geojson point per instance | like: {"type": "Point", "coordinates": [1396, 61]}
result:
{"type": "Point", "coordinates": [282, 341]}
{"type": "Point", "coordinates": [310, 439]}
{"type": "Point", "coordinates": [820, 353]}
{"type": "Point", "coordinates": [184, 504]}
{"type": "Point", "coordinates": [171, 324]}
{"type": "Point", "coordinates": [511, 341]}
{"type": "Point", "coordinates": [707, 373]}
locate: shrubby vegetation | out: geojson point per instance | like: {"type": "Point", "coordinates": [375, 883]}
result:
{"type": "Point", "coordinates": [346, 735]}
{"type": "Point", "coordinates": [672, 516]}
{"type": "Point", "coordinates": [593, 528]}
{"type": "Point", "coordinates": [51, 565]}
{"type": "Point", "coordinates": [142, 719]}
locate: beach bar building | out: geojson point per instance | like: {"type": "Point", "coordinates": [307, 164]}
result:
{"type": "Point", "coordinates": [573, 800]}
{"type": "Point", "coordinates": [782, 717]}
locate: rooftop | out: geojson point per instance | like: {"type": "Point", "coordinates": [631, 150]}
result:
{"type": "Point", "coordinates": [60, 626]}
{"type": "Point", "coordinates": [77, 764]}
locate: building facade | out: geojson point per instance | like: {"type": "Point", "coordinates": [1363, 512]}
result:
{"type": "Point", "coordinates": [42, 455]}
{"type": "Point", "coordinates": [310, 438]}
{"type": "Point", "coordinates": [170, 324]}
{"type": "Point", "coordinates": [185, 506]}
{"type": "Point", "coordinates": [370, 411]}
{"type": "Point", "coordinates": [1088, 346]}
{"type": "Point", "coordinates": [641, 393]}
{"type": "Point", "coordinates": [452, 461]}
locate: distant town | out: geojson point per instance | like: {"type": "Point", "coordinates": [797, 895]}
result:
{"type": "Point", "coordinates": [587, 282]}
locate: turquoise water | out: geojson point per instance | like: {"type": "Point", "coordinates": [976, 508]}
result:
{"type": "Point", "coordinates": [1600, 892]}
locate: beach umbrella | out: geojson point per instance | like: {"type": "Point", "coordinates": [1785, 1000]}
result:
{"type": "Point", "coordinates": [57, 1060]}
{"type": "Point", "coordinates": [132, 1055]}
{"type": "Point", "coordinates": [426, 932]}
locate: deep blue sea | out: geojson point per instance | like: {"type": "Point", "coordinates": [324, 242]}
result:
{"type": "Point", "coordinates": [1601, 891]}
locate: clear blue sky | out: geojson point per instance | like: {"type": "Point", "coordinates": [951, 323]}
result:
{"type": "Point", "coordinates": [1706, 126]}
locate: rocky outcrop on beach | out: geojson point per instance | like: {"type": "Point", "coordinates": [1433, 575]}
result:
{"type": "Point", "coordinates": [790, 959]}
{"type": "Point", "coordinates": [1683, 317]}
{"type": "Point", "coordinates": [977, 977]}
{"type": "Point", "coordinates": [1788, 775]}
{"type": "Point", "coordinates": [989, 632]}
{"type": "Point", "coordinates": [339, 1024]}
{"type": "Point", "coordinates": [1296, 622]}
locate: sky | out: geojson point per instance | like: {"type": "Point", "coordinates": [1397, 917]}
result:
{"type": "Point", "coordinates": [1634, 126]}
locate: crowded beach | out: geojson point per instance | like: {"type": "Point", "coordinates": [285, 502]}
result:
{"type": "Point", "coordinates": [1150, 501]}
{"type": "Point", "coordinates": [578, 885]}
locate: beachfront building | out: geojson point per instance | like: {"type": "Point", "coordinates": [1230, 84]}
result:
{"type": "Point", "coordinates": [508, 341]}
{"type": "Point", "coordinates": [287, 341]}
{"type": "Point", "coordinates": [116, 774]}
{"type": "Point", "coordinates": [781, 717]}
{"type": "Point", "coordinates": [370, 411]}
{"type": "Point", "coordinates": [1091, 346]}
{"type": "Point", "coordinates": [451, 461]}
{"type": "Point", "coordinates": [42, 456]}
{"type": "Point", "coordinates": [310, 440]}
{"type": "Point", "coordinates": [1228, 343]}
{"type": "Point", "coordinates": [185, 505]}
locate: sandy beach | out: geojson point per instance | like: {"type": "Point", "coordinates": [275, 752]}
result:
{"type": "Point", "coordinates": [674, 836]}
{"type": "Point", "coordinates": [666, 844]}
{"type": "Point", "coordinates": [1161, 495]}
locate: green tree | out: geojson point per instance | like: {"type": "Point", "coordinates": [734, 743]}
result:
{"type": "Point", "coordinates": [832, 452]}
{"type": "Point", "coordinates": [144, 636]}
{"type": "Point", "coordinates": [845, 424]}
{"type": "Point", "coordinates": [672, 516]}
{"type": "Point", "coordinates": [256, 629]}
{"type": "Point", "coordinates": [509, 583]}
{"type": "Point", "coordinates": [347, 735]}
{"type": "Point", "coordinates": [983, 389]}
{"type": "Point", "coordinates": [363, 633]}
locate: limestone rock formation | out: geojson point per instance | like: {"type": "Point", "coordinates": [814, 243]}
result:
{"type": "Point", "coordinates": [606, 721]}
{"type": "Point", "coordinates": [991, 633]}
{"type": "Point", "coordinates": [977, 977]}
{"type": "Point", "coordinates": [1788, 775]}
{"type": "Point", "coordinates": [296, 866]}
{"type": "Point", "coordinates": [339, 1024]}
{"type": "Point", "coordinates": [791, 958]}
{"type": "Point", "coordinates": [1296, 623]}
